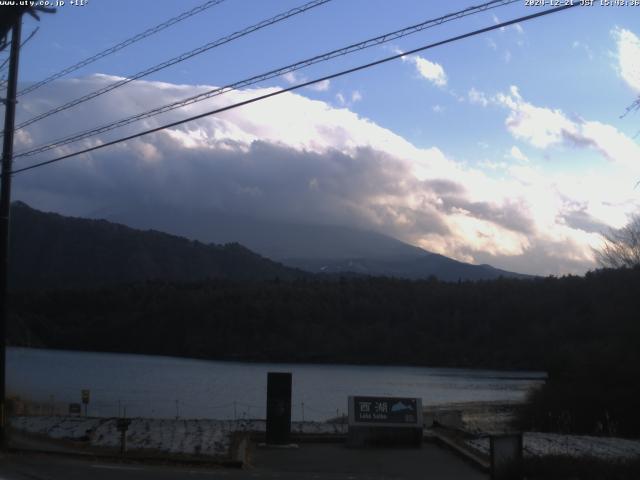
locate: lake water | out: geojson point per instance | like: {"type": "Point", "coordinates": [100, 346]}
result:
{"type": "Point", "coordinates": [166, 387]}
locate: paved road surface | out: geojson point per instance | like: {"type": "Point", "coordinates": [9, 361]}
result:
{"type": "Point", "coordinates": [310, 461]}
{"type": "Point", "coordinates": [336, 461]}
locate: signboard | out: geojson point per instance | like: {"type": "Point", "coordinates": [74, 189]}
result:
{"type": "Point", "coordinates": [278, 408]}
{"type": "Point", "coordinates": [385, 411]}
{"type": "Point", "coordinates": [74, 409]}
{"type": "Point", "coordinates": [85, 396]}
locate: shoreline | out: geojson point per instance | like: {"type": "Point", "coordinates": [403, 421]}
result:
{"type": "Point", "coordinates": [529, 374]}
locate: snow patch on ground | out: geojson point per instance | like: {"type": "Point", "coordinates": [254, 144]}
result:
{"type": "Point", "coordinates": [537, 444]}
{"type": "Point", "coordinates": [191, 437]}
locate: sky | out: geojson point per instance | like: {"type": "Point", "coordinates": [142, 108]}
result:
{"type": "Point", "coordinates": [506, 148]}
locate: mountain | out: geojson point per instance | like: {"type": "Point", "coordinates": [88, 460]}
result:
{"type": "Point", "coordinates": [50, 251]}
{"type": "Point", "coordinates": [314, 248]}
{"type": "Point", "coordinates": [415, 267]}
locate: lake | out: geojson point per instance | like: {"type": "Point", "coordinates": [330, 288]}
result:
{"type": "Point", "coordinates": [166, 387]}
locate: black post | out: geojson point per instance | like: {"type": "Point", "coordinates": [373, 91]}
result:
{"type": "Point", "coordinates": [5, 207]}
{"type": "Point", "coordinates": [123, 441]}
{"type": "Point", "coordinates": [278, 408]}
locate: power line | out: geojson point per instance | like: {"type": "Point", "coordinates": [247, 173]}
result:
{"type": "Point", "coordinates": [4, 64]}
{"type": "Point", "coordinates": [6, 60]}
{"type": "Point", "coordinates": [123, 44]}
{"type": "Point", "coordinates": [381, 39]}
{"type": "Point", "coordinates": [175, 60]}
{"type": "Point", "coordinates": [300, 85]}
{"type": "Point", "coordinates": [634, 106]}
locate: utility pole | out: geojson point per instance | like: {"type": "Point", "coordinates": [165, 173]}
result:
{"type": "Point", "coordinates": [5, 207]}
{"type": "Point", "coordinates": [11, 19]}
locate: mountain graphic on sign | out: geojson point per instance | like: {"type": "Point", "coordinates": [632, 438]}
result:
{"type": "Point", "coordinates": [401, 407]}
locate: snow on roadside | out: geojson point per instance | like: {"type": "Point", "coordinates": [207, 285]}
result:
{"type": "Point", "coordinates": [56, 427]}
{"type": "Point", "coordinates": [537, 444]}
{"type": "Point", "coordinates": [194, 437]}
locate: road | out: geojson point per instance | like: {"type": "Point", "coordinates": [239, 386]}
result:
{"type": "Point", "coordinates": [309, 462]}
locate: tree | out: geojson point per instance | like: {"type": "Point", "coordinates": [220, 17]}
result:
{"type": "Point", "coordinates": [621, 247]}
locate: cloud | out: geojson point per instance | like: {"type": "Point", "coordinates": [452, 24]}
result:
{"type": "Point", "coordinates": [322, 86]}
{"type": "Point", "coordinates": [290, 78]}
{"type": "Point", "coordinates": [434, 72]}
{"type": "Point", "coordinates": [477, 97]}
{"type": "Point", "coordinates": [628, 54]}
{"type": "Point", "coordinates": [577, 216]}
{"type": "Point", "coordinates": [517, 154]}
{"type": "Point", "coordinates": [581, 45]}
{"type": "Point", "coordinates": [347, 101]}
{"type": "Point", "coordinates": [293, 159]}
{"type": "Point", "coordinates": [545, 127]}
{"type": "Point", "coordinates": [431, 71]}
{"type": "Point", "coordinates": [539, 126]}
{"type": "Point", "coordinates": [293, 78]}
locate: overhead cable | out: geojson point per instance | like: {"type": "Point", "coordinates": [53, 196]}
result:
{"type": "Point", "coordinates": [300, 85]}
{"type": "Point", "coordinates": [130, 41]}
{"type": "Point", "coordinates": [379, 40]}
{"type": "Point", "coordinates": [175, 60]}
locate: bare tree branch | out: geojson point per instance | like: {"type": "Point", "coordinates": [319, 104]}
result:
{"type": "Point", "coordinates": [621, 248]}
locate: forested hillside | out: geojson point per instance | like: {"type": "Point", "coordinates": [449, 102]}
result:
{"type": "Point", "coordinates": [54, 251]}
{"type": "Point", "coordinates": [583, 330]}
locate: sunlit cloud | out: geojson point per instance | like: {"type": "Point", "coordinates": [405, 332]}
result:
{"type": "Point", "coordinates": [546, 127]}
{"type": "Point", "coordinates": [628, 55]}
{"type": "Point", "coordinates": [517, 154]}
{"type": "Point", "coordinates": [293, 159]}
{"type": "Point", "coordinates": [434, 72]}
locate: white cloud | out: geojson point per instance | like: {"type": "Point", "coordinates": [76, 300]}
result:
{"type": "Point", "coordinates": [290, 77]}
{"type": "Point", "coordinates": [437, 108]}
{"type": "Point", "coordinates": [517, 154]}
{"type": "Point", "coordinates": [431, 71]}
{"type": "Point", "coordinates": [434, 72]}
{"type": "Point", "coordinates": [291, 158]}
{"type": "Point", "coordinates": [545, 127]}
{"type": "Point", "coordinates": [349, 100]}
{"type": "Point", "coordinates": [628, 54]}
{"type": "Point", "coordinates": [293, 78]}
{"type": "Point", "coordinates": [508, 56]}
{"type": "Point", "coordinates": [496, 20]}
{"type": "Point", "coordinates": [322, 86]}
{"type": "Point", "coordinates": [477, 97]}
{"type": "Point", "coordinates": [583, 46]}
{"type": "Point", "coordinates": [539, 126]}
